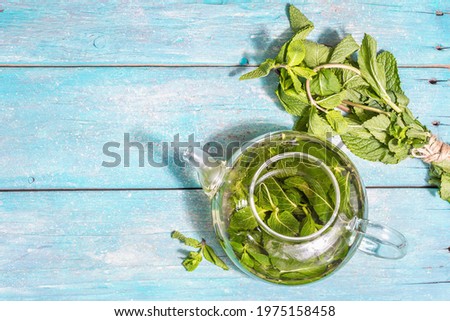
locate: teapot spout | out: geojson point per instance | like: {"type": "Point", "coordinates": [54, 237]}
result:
{"type": "Point", "coordinates": [210, 172]}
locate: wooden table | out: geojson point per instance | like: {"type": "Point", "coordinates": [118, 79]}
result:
{"type": "Point", "coordinates": [79, 74]}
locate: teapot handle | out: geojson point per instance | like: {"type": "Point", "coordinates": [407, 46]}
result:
{"type": "Point", "coordinates": [380, 240]}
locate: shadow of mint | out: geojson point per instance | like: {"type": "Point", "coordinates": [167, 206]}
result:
{"type": "Point", "coordinates": [330, 37]}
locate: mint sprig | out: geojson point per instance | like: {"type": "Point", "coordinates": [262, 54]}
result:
{"type": "Point", "coordinates": [329, 91]}
{"type": "Point", "coordinates": [194, 258]}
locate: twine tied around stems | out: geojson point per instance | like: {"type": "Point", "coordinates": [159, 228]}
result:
{"type": "Point", "coordinates": [434, 151]}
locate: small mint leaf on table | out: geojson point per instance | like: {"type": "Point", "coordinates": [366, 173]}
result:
{"type": "Point", "coordinates": [193, 259]}
{"type": "Point", "coordinates": [186, 240]}
{"type": "Point", "coordinates": [211, 256]}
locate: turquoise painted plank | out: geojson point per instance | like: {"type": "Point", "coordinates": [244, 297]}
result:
{"type": "Point", "coordinates": [116, 245]}
{"type": "Point", "coordinates": [56, 121]}
{"type": "Point", "coordinates": [185, 32]}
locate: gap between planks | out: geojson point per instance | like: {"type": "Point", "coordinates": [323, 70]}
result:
{"type": "Point", "coordinates": [168, 189]}
{"type": "Point", "coordinates": [437, 66]}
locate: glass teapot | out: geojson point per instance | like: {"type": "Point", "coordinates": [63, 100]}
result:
{"type": "Point", "coordinates": [291, 209]}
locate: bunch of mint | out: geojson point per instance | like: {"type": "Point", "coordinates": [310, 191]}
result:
{"type": "Point", "coordinates": [359, 99]}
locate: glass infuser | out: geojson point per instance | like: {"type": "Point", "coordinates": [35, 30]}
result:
{"type": "Point", "coordinates": [272, 176]}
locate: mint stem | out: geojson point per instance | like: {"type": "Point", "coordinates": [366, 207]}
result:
{"type": "Point", "coordinates": [376, 110]}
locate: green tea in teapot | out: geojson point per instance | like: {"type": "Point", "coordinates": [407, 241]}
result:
{"type": "Point", "coordinates": [285, 203]}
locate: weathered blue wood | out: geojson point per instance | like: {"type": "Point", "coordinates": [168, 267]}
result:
{"type": "Point", "coordinates": [56, 121]}
{"type": "Point", "coordinates": [182, 32]}
{"type": "Point", "coordinates": [116, 246]}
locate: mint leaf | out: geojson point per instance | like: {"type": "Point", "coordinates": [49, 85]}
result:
{"type": "Point", "coordinates": [281, 57]}
{"type": "Point", "coordinates": [211, 256]}
{"type": "Point", "coordinates": [332, 101]}
{"type": "Point", "coordinates": [262, 71]}
{"type": "Point", "coordinates": [243, 220]}
{"type": "Point", "coordinates": [444, 190]}
{"type": "Point", "coordinates": [399, 148]}
{"type": "Point", "coordinates": [186, 240]}
{"type": "Point", "coordinates": [266, 200]}
{"type": "Point", "coordinates": [316, 194]}
{"type": "Point", "coordinates": [295, 52]}
{"type": "Point", "coordinates": [247, 260]}
{"type": "Point", "coordinates": [315, 54]}
{"type": "Point", "coordinates": [351, 80]}
{"type": "Point", "coordinates": [345, 48]}
{"type": "Point", "coordinates": [296, 82]}
{"type": "Point", "coordinates": [337, 121]}
{"type": "Point", "coordinates": [255, 252]}
{"type": "Point", "coordinates": [293, 102]}
{"type": "Point", "coordinates": [293, 195]}
{"type": "Point", "coordinates": [300, 25]}
{"type": "Point", "coordinates": [312, 271]}
{"type": "Point", "coordinates": [304, 72]}
{"type": "Point", "coordinates": [378, 127]}
{"type": "Point", "coordinates": [192, 261]}
{"type": "Point", "coordinates": [318, 126]}
{"type": "Point", "coordinates": [325, 83]}
{"type": "Point", "coordinates": [363, 144]}
{"type": "Point", "coordinates": [284, 223]}
{"type": "Point", "coordinates": [301, 125]}
{"type": "Point", "coordinates": [309, 226]}
{"type": "Point", "coordinates": [289, 268]}
{"type": "Point", "coordinates": [238, 247]}
{"type": "Point", "coordinates": [260, 258]}
{"type": "Point", "coordinates": [387, 60]}
{"type": "Point", "coordinates": [371, 70]}
{"type": "Point", "coordinates": [284, 202]}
